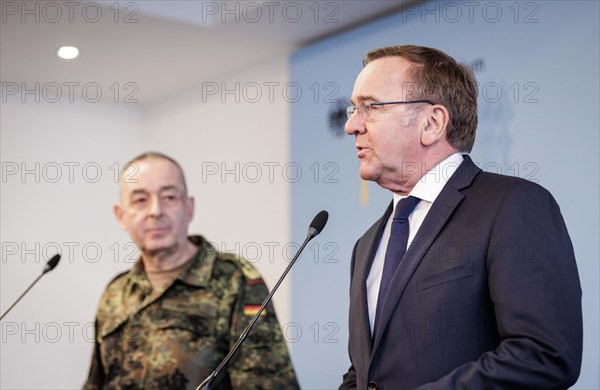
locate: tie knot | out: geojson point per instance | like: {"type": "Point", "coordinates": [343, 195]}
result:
{"type": "Point", "coordinates": [405, 207]}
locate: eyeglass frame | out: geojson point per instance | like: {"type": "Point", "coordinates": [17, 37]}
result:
{"type": "Point", "coordinates": [355, 108]}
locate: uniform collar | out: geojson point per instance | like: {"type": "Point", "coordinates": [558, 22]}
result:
{"type": "Point", "coordinates": [197, 273]}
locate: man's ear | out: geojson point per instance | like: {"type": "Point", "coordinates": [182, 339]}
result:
{"type": "Point", "coordinates": [190, 208]}
{"type": "Point", "coordinates": [435, 126]}
{"type": "Point", "coordinates": [118, 211]}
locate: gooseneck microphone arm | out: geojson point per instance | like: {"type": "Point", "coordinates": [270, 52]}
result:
{"type": "Point", "coordinates": [317, 224]}
{"type": "Point", "coordinates": [49, 267]}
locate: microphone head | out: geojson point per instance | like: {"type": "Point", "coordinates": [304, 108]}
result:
{"type": "Point", "coordinates": [52, 263]}
{"type": "Point", "coordinates": [318, 223]}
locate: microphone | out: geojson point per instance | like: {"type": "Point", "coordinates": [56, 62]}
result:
{"type": "Point", "coordinates": [316, 226]}
{"type": "Point", "coordinates": [50, 265]}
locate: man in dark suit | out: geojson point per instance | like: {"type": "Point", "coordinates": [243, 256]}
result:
{"type": "Point", "coordinates": [487, 294]}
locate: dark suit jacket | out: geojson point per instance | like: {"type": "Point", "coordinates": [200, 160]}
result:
{"type": "Point", "coordinates": [487, 295]}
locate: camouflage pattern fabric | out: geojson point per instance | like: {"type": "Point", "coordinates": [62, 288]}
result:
{"type": "Point", "coordinates": [175, 338]}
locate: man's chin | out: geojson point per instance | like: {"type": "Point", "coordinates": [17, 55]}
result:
{"type": "Point", "coordinates": [367, 174]}
{"type": "Point", "coordinates": [156, 249]}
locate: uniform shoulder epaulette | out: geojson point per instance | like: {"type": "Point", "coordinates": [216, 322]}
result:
{"type": "Point", "coordinates": [116, 278]}
{"type": "Point", "coordinates": [250, 273]}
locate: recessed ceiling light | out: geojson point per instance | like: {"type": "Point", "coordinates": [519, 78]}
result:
{"type": "Point", "coordinates": [68, 52]}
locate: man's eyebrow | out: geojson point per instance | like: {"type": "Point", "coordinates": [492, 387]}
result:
{"type": "Point", "coordinates": [139, 191]}
{"type": "Point", "coordinates": [363, 98]}
{"type": "Point", "coordinates": [168, 188]}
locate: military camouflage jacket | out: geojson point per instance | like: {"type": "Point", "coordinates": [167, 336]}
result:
{"type": "Point", "coordinates": [175, 338]}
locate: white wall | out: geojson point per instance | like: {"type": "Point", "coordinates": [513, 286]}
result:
{"type": "Point", "coordinates": [58, 184]}
{"type": "Point", "coordinates": [233, 149]}
{"type": "Point", "coordinates": [70, 153]}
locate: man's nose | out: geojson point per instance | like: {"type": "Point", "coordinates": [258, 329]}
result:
{"type": "Point", "coordinates": [355, 125]}
{"type": "Point", "coordinates": [155, 207]}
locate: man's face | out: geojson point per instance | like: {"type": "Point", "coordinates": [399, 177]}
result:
{"type": "Point", "coordinates": [388, 139]}
{"type": "Point", "coordinates": [155, 209]}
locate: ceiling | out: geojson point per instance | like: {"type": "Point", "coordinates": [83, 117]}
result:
{"type": "Point", "coordinates": [162, 47]}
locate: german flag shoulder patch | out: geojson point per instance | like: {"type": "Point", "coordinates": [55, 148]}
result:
{"type": "Point", "coordinates": [255, 282]}
{"type": "Point", "coordinates": [251, 310]}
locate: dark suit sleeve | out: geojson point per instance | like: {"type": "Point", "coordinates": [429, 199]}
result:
{"type": "Point", "coordinates": [349, 378]}
{"type": "Point", "coordinates": [536, 295]}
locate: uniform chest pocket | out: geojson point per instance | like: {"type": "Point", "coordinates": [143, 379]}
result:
{"type": "Point", "coordinates": [446, 276]}
{"type": "Point", "coordinates": [199, 320]}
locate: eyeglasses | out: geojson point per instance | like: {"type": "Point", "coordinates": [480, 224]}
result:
{"type": "Point", "coordinates": [367, 109]}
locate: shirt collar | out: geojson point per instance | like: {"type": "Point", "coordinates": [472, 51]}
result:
{"type": "Point", "coordinates": [431, 184]}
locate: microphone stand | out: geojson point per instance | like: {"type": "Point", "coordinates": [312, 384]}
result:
{"type": "Point", "coordinates": [49, 267]}
{"type": "Point", "coordinates": [312, 232]}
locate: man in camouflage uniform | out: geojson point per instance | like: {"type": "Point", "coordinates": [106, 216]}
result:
{"type": "Point", "coordinates": [170, 320]}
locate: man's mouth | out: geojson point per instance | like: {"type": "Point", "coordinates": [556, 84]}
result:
{"type": "Point", "coordinates": [157, 230]}
{"type": "Point", "coordinates": [361, 151]}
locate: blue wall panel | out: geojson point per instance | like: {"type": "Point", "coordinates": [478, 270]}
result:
{"type": "Point", "coordinates": [537, 69]}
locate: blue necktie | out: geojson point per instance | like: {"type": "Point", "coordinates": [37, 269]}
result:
{"type": "Point", "coordinates": [395, 249]}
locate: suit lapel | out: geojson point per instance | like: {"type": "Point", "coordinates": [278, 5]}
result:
{"type": "Point", "coordinates": [365, 253]}
{"type": "Point", "coordinates": [436, 218]}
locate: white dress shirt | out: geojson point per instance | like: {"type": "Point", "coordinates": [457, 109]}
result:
{"type": "Point", "coordinates": [427, 189]}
